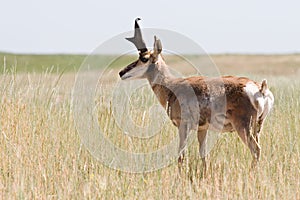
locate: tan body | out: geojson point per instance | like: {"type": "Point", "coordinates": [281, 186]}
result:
{"type": "Point", "coordinates": [230, 89]}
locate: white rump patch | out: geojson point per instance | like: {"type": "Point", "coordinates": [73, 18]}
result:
{"type": "Point", "coordinates": [261, 102]}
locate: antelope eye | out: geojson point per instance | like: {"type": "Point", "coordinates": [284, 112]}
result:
{"type": "Point", "coordinates": [144, 60]}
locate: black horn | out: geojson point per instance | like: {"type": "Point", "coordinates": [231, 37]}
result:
{"type": "Point", "coordinates": [137, 39]}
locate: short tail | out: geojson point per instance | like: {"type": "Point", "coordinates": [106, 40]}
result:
{"type": "Point", "coordinates": [264, 87]}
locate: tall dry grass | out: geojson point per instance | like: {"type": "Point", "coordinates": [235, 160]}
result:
{"type": "Point", "coordinates": [42, 156]}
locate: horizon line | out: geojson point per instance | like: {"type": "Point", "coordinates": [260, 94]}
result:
{"type": "Point", "coordinates": [86, 54]}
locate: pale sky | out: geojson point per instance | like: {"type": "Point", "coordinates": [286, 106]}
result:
{"type": "Point", "coordinates": [71, 26]}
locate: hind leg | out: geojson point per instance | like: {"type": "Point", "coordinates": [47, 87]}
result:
{"type": "Point", "coordinates": [259, 128]}
{"type": "Point", "coordinates": [255, 128]}
{"type": "Point", "coordinates": [257, 125]}
{"type": "Point", "coordinates": [243, 129]}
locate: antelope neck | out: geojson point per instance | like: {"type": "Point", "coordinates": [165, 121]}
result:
{"type": "Point", "coordinates": [160, 78]}
{"type": "Point", "coordinates": [159, 74]}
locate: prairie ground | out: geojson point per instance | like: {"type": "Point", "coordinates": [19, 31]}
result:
{"type": "Point", "coordinates": [42, 156]}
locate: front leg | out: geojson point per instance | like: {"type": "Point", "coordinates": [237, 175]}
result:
{"type": "Point", "coordinates": [183, 131]}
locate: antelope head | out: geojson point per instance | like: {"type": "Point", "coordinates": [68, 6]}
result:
{"type": "Point", "coordinates": [147, 60]}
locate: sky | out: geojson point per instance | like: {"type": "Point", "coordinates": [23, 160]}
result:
{"type": "Point", "coordinates": [73, 26]}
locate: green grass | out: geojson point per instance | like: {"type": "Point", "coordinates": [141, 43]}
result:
{"type": "Point", "coordinates": [42, 156]}
{"type": "Point", "coordinates": [24, 63]}
{"type": "Point", "coordinates": [40, 63]}
{"type": "Point", "coordinates": [57, 63]}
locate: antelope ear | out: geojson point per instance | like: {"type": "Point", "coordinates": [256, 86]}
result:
{"type": "Point", "coordinates": [157, 47]}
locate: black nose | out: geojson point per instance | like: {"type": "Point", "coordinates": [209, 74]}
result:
{"type": "Point", "coordinates": [121, 73]}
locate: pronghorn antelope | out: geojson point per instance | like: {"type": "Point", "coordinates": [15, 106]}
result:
{"type": "Point", "coordinates": [224, 104]}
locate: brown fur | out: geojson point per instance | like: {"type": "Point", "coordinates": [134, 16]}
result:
{"type": "Point", "coordinates": [238, 109]}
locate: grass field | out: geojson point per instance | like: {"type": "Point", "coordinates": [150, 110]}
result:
{"type": "Point", "coordinates": [42, 156]}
